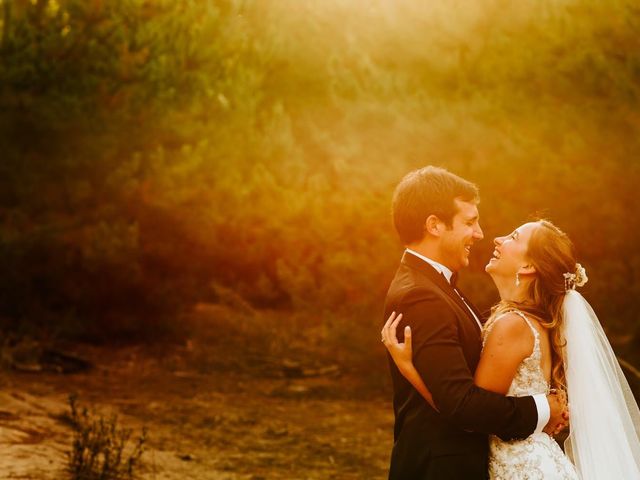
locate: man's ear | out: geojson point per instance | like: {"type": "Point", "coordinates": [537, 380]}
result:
{"type": "Point", "coordinates": [433, 226]}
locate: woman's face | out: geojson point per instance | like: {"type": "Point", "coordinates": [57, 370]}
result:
{"type": "Point", "coordinates": [510, 253]}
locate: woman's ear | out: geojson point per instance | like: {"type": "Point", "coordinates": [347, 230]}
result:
{"type": "Point", "coordinates": [433, 226]}
{"type": "Point", "coordinates": [527, 270]}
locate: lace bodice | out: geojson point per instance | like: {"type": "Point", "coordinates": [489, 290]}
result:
{"type": "Point", "coordinates": [537, 457]}
{"type": "Point", "coordinates": [529, 378]}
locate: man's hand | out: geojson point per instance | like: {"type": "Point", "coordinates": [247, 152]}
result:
{"type": "Point", "coordinates": [559, 419]}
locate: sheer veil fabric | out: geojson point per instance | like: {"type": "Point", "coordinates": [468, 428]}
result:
{"type": "Point", "coordinates": [605, 419]}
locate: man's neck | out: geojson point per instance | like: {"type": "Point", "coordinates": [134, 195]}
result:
{"type": "Point", "coordinates": [443, 269]}
{"type": "Point", "coordinates": [431, 253]}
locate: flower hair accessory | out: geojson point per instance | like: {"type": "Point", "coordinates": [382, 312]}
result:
{"type": "Point", "coordinates": [575, 279]}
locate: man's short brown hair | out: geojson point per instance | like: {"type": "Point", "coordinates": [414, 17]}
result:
{"type": "Point", "coordinates": [428, 191]}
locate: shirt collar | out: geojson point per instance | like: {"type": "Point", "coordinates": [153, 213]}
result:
{"type": "Point", "coordinates": [438, 266]}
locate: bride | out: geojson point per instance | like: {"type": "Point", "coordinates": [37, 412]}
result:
{"type": "Point", "coordinates": [544, 334]}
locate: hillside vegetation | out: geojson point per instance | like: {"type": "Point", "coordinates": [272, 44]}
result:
{"type": "Point", "coordinates": [155, 154]}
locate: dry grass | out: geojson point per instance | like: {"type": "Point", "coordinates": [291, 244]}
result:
{"type": "Point", "coordinates": [102, 449]}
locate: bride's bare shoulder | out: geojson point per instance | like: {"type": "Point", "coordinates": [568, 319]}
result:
{"type": "Point", "coordinates": [509, 328]}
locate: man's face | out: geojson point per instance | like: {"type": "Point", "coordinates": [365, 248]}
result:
{"type": "Point", "coordinates": [457, 240]}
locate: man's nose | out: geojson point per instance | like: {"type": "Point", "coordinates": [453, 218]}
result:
{"type": "Point", "coordinates": [477, 234]}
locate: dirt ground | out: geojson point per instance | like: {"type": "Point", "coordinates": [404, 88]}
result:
{"type": "Point", "coordinates": [206, 419]}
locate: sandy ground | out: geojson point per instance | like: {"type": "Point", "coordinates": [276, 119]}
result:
{"type": "Point", "coordinates": [212, 421]}
{"type": "Point", "coordinates": [216, 406]}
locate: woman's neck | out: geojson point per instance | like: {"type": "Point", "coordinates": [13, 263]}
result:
{"type": "Point", "coordinates": [510, 292]}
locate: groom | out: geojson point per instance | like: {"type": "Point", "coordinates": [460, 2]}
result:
{"type": "Point", "coordinates": [436, 216]}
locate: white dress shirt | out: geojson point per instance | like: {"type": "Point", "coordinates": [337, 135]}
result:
{"type": "Point", "coordinates": [447, 274]}
{"type": "Point", "coordinates": [542, 404]}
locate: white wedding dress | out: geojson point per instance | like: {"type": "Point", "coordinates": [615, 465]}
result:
{"type": "Point", "coordinates": [538, 456]}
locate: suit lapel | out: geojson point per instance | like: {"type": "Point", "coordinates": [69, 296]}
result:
{"type": "Point", "coordinates": [440, 281]}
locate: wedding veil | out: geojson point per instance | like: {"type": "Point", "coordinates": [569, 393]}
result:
{"type": "Point", "coordinates": [604, 416]}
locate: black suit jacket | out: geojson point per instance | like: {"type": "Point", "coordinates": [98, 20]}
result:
{"type": "Point", "coordinates": [452, 443]}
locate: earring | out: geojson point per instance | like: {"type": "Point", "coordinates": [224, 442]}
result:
{"type": "Point", "coordinates": [517, 279]}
